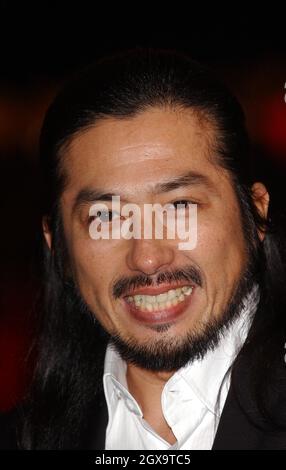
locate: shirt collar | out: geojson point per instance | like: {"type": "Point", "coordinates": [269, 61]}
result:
{"type": "Point", "coordinates": [115, 383]}
{"type": "Point", "coordinates": [204, 377]}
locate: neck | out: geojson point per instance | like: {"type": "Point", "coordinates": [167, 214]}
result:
{"type": "Point", "coordinates": [144, 382]}
{"type": "Point", "coordinates": [146, 387]}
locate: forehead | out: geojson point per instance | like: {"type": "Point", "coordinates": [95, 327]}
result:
{"type": "Point", "coordinates": [140, 150]}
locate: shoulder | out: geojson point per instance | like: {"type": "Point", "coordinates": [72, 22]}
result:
{"type": "Point", "coordinates": [260, 389]}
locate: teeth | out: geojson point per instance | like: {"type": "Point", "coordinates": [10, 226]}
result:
{"type": "Point", "coordinates": [162, 301]}
{"type": "Point", "coordinates": [151, 299]}
{"type": "Point", "coordinates": [188, 291]}
{"type": "Point", "coordinates": [162, 297]}
{"type": "Point", "coordinates": [172, 294]}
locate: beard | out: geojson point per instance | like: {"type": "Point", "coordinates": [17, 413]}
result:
{"type": "Point", "coordinates": [165, 353]}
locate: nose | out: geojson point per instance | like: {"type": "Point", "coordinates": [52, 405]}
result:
{"type": "Point", "coordinates": [149, 256]}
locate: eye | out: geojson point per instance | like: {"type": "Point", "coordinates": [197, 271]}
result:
{"type": "Point", "coordinates": [183, 202]}
{"type": "Point", "coordinates": [105, 216]}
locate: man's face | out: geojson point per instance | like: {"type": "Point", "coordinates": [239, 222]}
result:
{"type": "Point", "coordinates": [129, 157]}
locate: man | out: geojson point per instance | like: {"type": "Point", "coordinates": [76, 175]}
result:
{"type": "Point", "coordinates": [144, 345]}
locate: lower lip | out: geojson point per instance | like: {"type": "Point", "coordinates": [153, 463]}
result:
{"type": "Point", "coordinates": [160, 316]}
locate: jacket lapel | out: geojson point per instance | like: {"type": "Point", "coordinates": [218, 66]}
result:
{"type": "Point", "coordinates": [235, 431]}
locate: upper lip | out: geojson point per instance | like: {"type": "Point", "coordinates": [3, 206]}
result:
{"type": "Point", "coordinates": [156, 290]}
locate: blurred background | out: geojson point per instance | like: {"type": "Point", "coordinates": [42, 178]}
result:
{"type": "Point", "coordinates": [41, 45]}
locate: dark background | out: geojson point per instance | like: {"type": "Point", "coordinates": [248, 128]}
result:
{"type": "Point", "coordinates": [42, 44]}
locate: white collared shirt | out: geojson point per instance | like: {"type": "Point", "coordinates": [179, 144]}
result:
{"type": "Point", "coordinates": [192, 399]}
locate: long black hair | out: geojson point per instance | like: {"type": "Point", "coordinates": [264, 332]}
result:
{"type": "Point", "coordinates": [70, 344]}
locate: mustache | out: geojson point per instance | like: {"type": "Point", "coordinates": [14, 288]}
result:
{"type": "Point", "coordinates": [127, 284]}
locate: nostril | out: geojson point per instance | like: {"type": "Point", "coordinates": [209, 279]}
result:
{"type": "Point", "coordinates": [150, 256]}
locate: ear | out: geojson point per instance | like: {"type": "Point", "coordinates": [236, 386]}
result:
{"type": "Point", "coordinates": [46, 231]}
{"type": "Point", "coordinates": [261, 198]}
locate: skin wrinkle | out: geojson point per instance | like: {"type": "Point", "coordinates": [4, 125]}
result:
{"type": "Point", "coordinates": [87, 195]}
{"type": "Point", "coordinates": [207, 130]}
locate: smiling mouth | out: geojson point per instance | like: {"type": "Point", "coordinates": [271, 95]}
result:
{"type": "Point", "coordinates": [158, 308]}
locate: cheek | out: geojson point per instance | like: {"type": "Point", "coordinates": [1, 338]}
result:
{"type": "Point", "coordinates": [221, 247]}
{"type": "Point", "coordinates": [90, 266]}
{"type": "Point", "coordinates": [95, 264]}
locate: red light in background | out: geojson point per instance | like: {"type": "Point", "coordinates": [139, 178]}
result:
{"type": "Point", "coordinates": [273, 126]}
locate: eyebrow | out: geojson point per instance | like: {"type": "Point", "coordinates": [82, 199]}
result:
{"type": "Point", "coordinates": [192, 178]}
{"type": "Point", "coordinates": [188, 179]}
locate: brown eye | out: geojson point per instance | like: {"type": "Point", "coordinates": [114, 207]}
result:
{"type": "Point", "coordinates": [104, 216]}
{"type": "Point", "coordinates": [185, 203]}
